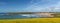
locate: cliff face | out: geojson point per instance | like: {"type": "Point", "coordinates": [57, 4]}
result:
{"type": "Point", "coordinates": [46, 14]}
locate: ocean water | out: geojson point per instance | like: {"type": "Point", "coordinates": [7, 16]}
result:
{"type": "Point", "coordinates": [3, 15]}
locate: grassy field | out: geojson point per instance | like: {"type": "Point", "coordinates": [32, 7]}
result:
{"type": "Point", "coordinates": [32, 20]}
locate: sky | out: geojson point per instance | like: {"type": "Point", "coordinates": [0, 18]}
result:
{"type": "Point", "coordinates": [29, 5]}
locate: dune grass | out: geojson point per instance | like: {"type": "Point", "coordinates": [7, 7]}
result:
{"type": "Point", "coordinates": [32, 20]}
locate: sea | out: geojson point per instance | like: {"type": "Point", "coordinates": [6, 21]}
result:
{"type": "Point", "coordinates": [4, 15]}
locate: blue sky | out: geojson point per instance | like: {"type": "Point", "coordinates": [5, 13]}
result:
{"type": "Point", "coordinates": [29, 5]}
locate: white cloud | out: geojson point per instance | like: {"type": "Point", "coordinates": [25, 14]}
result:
{"type": "Point", "coordinates": [37, 7]}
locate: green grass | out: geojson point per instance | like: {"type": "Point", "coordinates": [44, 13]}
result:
{"type": "Point", "coordinates": [32, 20]}
{"type": "Point", "coordinates": [57, 14]}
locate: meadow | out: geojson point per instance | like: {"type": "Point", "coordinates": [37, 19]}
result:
{"type": "Point", "coordinates": [32, 20]}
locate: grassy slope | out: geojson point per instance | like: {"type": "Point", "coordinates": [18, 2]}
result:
{"type": "Point", "coordinates": [57, 14]}
{"type": "Point", "coordinates": [32, 20]}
